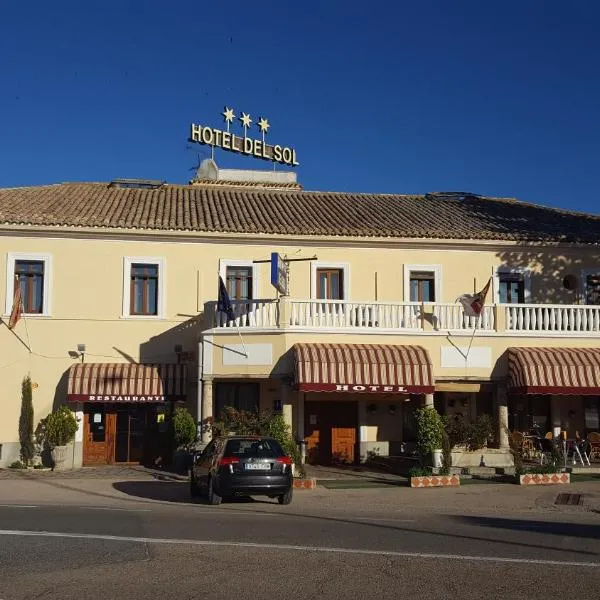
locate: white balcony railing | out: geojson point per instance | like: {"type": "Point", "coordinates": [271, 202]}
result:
{"type": "Point", "coordinates": [408, 316]}
{"type": "Point", "coordinates": [552, 318]}
{"type": "Point", "coordinates": [339, 313]}
{"type": "Point", "coordinates": [451, 317]}
{"type": "Point", "coordinates": [248, 313]}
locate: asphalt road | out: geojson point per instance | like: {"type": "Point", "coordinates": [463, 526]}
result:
{"type": "Point", "coordinates": [256, 549]}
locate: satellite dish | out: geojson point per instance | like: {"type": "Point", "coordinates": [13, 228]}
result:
{"type": "Point", "coordinates": [570, 282]}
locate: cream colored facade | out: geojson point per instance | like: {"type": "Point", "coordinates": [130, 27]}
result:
{"type": "Point", "coordinates": [86, 289]}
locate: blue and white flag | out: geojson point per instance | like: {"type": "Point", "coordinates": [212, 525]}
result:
{"type": "Point", "coordinates": [224, 302]}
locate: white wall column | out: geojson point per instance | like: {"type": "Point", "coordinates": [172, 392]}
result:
{"type": "Point", "coordinates": [207, 407]}
{"type": "Point", "coordinates": [502, 415]}
{"type": "Point", "coordinates": [428, 401]}
{"type": "Point", "coordinates": [286, 404]}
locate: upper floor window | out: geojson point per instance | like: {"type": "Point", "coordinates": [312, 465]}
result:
{"type": "Point", "coordinates": [329, 280]}
{"type": "Point", "coordinates": [144, 287]}
{"type": "Point", "coordinates": [592, 289]}
{"type": "Point", "coordinates": [239, 282]}
{"type": "Point", "coordinates": [422, 283]}
{"type": "Point", "coordinates": [29, 275]}
{"type": "Point", "coordinates": [32, 272]}
{"type": "Point", "coordinates": [422, 286]}
{"type": "Point", "coordinates": [511, 288]}
{"type": "Point", "coordinates": [330, 284]}
{"type": "Point", "coordinates": [240, 278]}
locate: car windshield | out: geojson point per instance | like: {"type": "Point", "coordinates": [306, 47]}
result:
{"type": "Point", "coordinates": [253, 448]}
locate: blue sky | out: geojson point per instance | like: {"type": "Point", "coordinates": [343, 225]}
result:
{"type": "Point", "coordinates": [496, 98]}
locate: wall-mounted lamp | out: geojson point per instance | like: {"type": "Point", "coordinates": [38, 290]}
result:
{"type": "Point", "coordinates": [392, 409]}
{"type": "Point", "coordinates": [372, 408]}
{"type": "Point", "coordinates": [81, 350]}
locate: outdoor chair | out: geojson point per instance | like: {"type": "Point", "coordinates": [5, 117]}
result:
{"type": "Point", "coordinates": [594, 445]}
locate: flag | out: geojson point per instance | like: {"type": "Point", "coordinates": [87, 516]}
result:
{"type": "Point", "coordinates": [17, 307]}
{"type": "Point", "coordinates": [473, 303]}
{"type": "Point", "coordinates": [224, 303]}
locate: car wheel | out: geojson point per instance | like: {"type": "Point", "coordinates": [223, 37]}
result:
{"type": "Point", "coordinates": [213, 498]}
{"type": "Point", "coordinates": [194, 489]}
{"type": "Point", "coordinates": [286, 498]}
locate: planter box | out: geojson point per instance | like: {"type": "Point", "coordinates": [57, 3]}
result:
{"type": "Point", "coordinates": [305, 484]}
{"type": "Point", "coordinates": [551, 479]}
{"type": "Point", "coordinates": [435, 481]}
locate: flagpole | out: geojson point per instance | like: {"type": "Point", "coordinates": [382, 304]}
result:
{"type": "Point", "coordinates": [242, 340]}
{"type": "Point", "coordinates": [472, 336]}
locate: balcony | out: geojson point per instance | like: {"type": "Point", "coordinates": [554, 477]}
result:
{"type": "Point", "coordinates": [409, 317]}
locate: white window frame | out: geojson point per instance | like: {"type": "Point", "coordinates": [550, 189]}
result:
{"type": "Point", "coordinates": [582, 291]}
{"type": "Point", "coordinates": [344, 267]}
{"type": "Point", "coordinates": [437, 279]}
{"type": "Point", "coordinates": [234, 262]}
{"type": "Point", "coordinates": [525, 273]}
{"type": "Point", "coordinates": [162, 286]}
{"type": "Point", "coordinates": [11, 259]}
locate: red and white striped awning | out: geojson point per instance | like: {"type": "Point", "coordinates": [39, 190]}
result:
{"type": "Point", "coordinates": [366, 368]}
{"type": "Point", "coordinates": [126, 382]}
{"type": "Point", "coordinates": [554, 371]}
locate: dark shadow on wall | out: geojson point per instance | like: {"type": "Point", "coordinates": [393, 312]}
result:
{"type": "Point", "coordinates": [166, 346]}
{"type": "Point", "coordinates": [60, 392]}
{"type": "Point", "coordinates": [547, 269]}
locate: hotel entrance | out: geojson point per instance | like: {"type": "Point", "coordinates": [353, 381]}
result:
{"type": "Point", "coordinates": [358, 399]}
{"type": "Point", "coordinates": [126, 411]}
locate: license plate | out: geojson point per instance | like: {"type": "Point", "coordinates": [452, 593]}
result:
{"type": "Point", "coordinates": [258, 467]}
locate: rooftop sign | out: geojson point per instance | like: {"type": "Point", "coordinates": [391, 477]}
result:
{"type": "Point", "coordinates": [226, 140]}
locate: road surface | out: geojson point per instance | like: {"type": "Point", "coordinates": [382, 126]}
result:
{"type": "Point", "coordinates": [258, 549]}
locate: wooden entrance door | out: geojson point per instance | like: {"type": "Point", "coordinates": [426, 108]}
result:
{"type": "Point", "coordinates": [98, 435]}
{"type": "Point", "coordinates": [343, 440]}
{"type": "Point", "coordinates": [330, 431]}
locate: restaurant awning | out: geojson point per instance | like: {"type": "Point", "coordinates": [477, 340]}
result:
{"type": "Point", "coordinates": [366, 368]}
{"type": "Point", "coordinates": [126, 382]}
{"type": "Point", "coordinates": [554, 371]}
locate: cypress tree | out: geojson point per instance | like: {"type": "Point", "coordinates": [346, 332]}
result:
{"type": "Point", "coordinates": [26, 423]}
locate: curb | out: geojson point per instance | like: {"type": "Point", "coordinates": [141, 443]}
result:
{"type": "Point", "coordinates": [305, 484]}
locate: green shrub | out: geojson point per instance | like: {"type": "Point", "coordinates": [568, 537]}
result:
{"type": "Point", "coordinates": [26, 423]}
{"type": "Point", "coordinates": [481, 432]}
{"type": "Point", "coordinates": [242, 422]}
{"type": "Point", "coordinates": [184, 428]}
{"type": "Point", "coordinates": [57, 429]}
{"type": "Point", "coordinates": [430, 430]}
{"type": "Point", "coordinates": [17, 464]}
{"type": "Point", "coordinates": [517, 453]}
{"type": "Point", "coordinates": [473, 436]}
{"type": "Point", "coordinates": [542, 470]}
{"type": "Point", "coordinates": [446, 454]}
{"type": "Point", "coordinates": [420, 472]}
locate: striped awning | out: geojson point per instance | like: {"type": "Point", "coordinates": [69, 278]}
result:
{"type": "Point", "coordinates": [554, 371]}
{"type": "Point", "coordinates": [126, 382]}
{"type": "Point", "coordinates": [366, 368]}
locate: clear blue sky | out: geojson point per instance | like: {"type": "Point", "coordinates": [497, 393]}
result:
{"type": "Point", "coordinates": [498, 98]}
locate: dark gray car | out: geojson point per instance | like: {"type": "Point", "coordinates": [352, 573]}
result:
{"type": "Point", "coordinates": [242, 465]}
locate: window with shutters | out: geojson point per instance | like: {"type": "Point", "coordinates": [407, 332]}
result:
{"type": "Point", "coordinates": [32, 272]}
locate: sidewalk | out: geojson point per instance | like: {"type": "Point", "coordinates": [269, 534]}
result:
{"type": "Point", "coordinates": [139, 487]}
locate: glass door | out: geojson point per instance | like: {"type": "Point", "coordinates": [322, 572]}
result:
{"type": "Point", "coordinates": [130, 434]}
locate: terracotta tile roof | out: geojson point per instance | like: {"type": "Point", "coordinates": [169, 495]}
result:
{"type": "Point", "coordinates": [210, 208]}
{"type": "Point", "coordinates": [246, 184]}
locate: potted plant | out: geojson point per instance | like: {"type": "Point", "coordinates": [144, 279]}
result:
{"type": "Point", "coordinates": [430, 441]}
{"type": "Point", "coordinates": [184, 433]}
{"type": "Point", "coordinates": [57, 431]}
